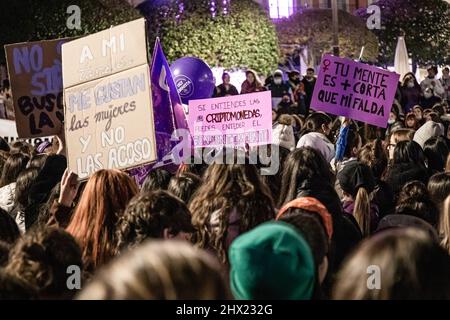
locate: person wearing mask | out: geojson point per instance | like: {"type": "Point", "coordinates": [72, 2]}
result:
{"type": "Point", "coordinates": [298, 93]}
{"type": "Point", "coordinates": [394, 121]}
{"type": "Point", "coordinates": [410, 92]}
{"type": "Point", "coordinates": [445, 82]}
{"type": "Point", "coordinates": [225, 88]}
{"type": "Point", "coordinates": [429, 99]}
{"type": "Point", "coordinates": [430, 82]}
{"type": "Point", "coordinates": [279, 88]}
{"type": "Point", "coordinates": [309, 81]}
{"type": "Point", "coordinates": [251, 83]}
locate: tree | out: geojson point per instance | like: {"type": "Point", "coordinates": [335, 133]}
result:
{"type": "Point", "coordinates": [242, 36]}
{"type": "Point", "coordinates": [313, 28]}
{"type": "Point", "coordinates": [426, 24]}
{"type": "Point", "coordinates": [31, 20]}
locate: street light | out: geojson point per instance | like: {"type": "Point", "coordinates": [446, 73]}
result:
{"type": "Point", "coordinates": [334, 9]}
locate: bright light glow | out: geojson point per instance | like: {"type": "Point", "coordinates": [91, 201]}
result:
{"type": "Point", "coordinates": [281, 8]}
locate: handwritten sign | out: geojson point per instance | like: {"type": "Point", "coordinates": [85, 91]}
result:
{"type": "Point", "coordinates": [354, 90]}
{"type": "Point", "coordinates": [109, 121]}
{"type": "Point", "coordinates": [232, 120]}
{"type": "Point", "coordinates": [37, 89]}
{"type": "Point", "coordinates": [105, 53]}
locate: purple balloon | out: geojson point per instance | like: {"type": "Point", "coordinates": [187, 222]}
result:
{"type": "Point", "coordinates": [193, 78]}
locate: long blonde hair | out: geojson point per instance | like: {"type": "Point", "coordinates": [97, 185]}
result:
{"type": "Point", "coordinates": [361, 211]}
{"type": "Point", "coordinates": [444, 225]}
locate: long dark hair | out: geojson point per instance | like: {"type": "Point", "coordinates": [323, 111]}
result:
{"type": "Point", "coordinates": [303, 165]}
{"type": "Point", "coordinates": [436, 151]}
{"type": "Point", "coordinates": [409, 152]}
{"type": "Point", "coordinates": [13, 166]}
{"type": "Point", "coordinates": [227, 187]}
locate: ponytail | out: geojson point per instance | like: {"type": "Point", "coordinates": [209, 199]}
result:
{"type": "Point", "coordinates": [361, 211]}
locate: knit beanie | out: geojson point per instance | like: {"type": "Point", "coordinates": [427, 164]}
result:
{"type": "Point", "coordinates": [272, 261]}
{"type": "Point", "coordinates": [356, 175]}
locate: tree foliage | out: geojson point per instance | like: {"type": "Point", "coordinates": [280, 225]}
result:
{"type": "Point", "coordinates": [313, 28]}
{"type": "Point", "coordinates": [31, 20]}
{"type": "Point", "coordinates": [426, 26]}
{"type": "Point", "coordinates": [244, 37]}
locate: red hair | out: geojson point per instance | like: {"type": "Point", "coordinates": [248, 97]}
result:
{"type": "Point", "coordinates": [93, 223]}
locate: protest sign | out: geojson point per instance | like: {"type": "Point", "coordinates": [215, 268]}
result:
{"type": "Point", "coordinates": [105, 53]}
{"type": "Point", "coordinates": [354, 90]}
{"type": "Point", "coordinates": [232, 120]}
{"type": "Point", "coordinates": [8, 131]}
{"type": "Point", "coordinates": [109, 121]}
{"type": "Point", "coordinates": [36, 83]}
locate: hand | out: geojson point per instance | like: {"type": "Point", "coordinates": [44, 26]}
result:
{"type": "Point", "coordinates": [69, 188]}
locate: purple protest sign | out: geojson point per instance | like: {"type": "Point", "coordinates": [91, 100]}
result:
{"type": "Point", "coordinates": [232, 121]}
{"type": "Point", "coordinates": [167, 111]}
{"type": "Point", "coordinates": [355, 90]}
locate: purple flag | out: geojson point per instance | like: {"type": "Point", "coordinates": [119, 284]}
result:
{"type": "Point", "coordinates": [167, 111]}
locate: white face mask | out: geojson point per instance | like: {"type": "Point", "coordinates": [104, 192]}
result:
{"type": "Point", "coordinates": [411, 84]}
{"type": "Point", "coordinates": [391, 121]}
{"type": "Point", "coordinates": [277, 80]}
{"type": "Point", "coordinates": [427, 95]}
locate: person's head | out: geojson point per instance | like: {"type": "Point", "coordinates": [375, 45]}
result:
{"type": "Point", "coordinates": [37, 161]}
{"type": "Point", "coordinates": [9, 232]}
{"type": "Point", "coordinates": [444, 225]}
{"type": "Point", "coordinates": [23, 185]}
{"type": "Point", "coordinates": [294, 76]}
{"type": "Point", "coordinates": [318, 122]}
{"type": "Point", "coordinates": [414, 200]}
{"type": "Point", "coordinates": [231, 200]}
{"type": "Point", "coordinates": [439, 110]}
{"type": "Point", "coordinates": [312, 219]}
{"type": "Point", "coordinates": [418, 112]}
{"type": "Point", "coordinates": [12, 168]}
{"type": "Point", "coordinates": [373, 155]}
{"type": "Point", "coordinates": [353, 144]}
{"type": "Point", "coordinates": [409, 81]}
{"type": "Point", "coordinates": [22, 147]}
{"type": "Point", "coordinates": [226, 78]}
{"type": "Point", "coordinates": [409, 152]}
{"type": "Point", "coordinates": [94, 221]}
{"type": "Point", "coordinates": [250, 76]}
{"type": "Point", "coordinates": [411, 121]}
{"type": "Point", "coordinates": [157, 179]}
{"type": "Point", "coordinates": [432, 116]}
{"type": "Point", "coordinates": [14, 288]}
{"type": "Point", "coordinates": [309, 73]}
{"type": "Point", "coordinates": [357, 182]}
{"type": "Point", "coordinates": [42, 257]}
{"type": "Point", "coordinates": [4, 146]}
{"type": "Point", "coordinates": [303, 166]}
{"type": "Point", "coordinates": [153, 215]}
{"type": "Point", "coordinates": [446, 72]}
{"type": "Point", "coordinates": [159, 270]}
{"type": "Point", "coordinates": [184, 185]}
{"type": "Point", "coordinates": [254, 273]}
{"type": "Point", "coordinates": [397, 136]}
{"type": "Point", "coordinates": [403, 264]}
{"type": "Point", "coordinates": [436, 152]}
{"type": "Point", "coordinates": [428, 93]}
{"type": "Point", "coordinates": [439, 188]}
{"type": "Point", "coordinates": [278, 77]}
{"type": "Point", "coordinates": [432, 72]}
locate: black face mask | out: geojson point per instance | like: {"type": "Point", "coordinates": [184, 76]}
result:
{"type": "Point", "coordinates": [295, 81]}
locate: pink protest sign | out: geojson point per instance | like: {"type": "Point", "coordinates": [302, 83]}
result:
{"type": "Point", "coordinates": [354, 90]}
{"type": "Point", "coordinates": [232, 121]}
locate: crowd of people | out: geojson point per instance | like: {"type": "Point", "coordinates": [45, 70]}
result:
{"type": "Point", "coordinates": [354, 212]}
